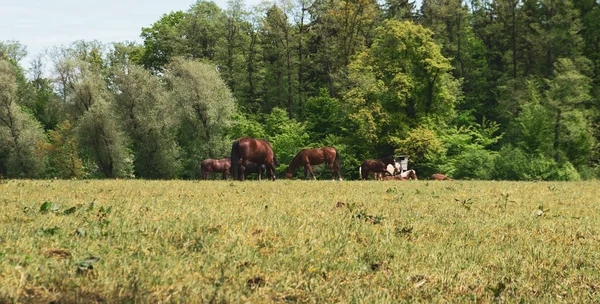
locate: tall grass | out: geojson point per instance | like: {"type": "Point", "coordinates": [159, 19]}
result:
{"type": "Point", "coordinates": [298, 241]}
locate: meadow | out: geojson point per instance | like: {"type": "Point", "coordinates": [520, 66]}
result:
{"type": "Point", "coordinates": [299, 241]}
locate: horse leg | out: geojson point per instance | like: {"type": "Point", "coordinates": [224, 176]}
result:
{"type": "Point", "coordinates": [242, 170]}
{"type": "Point", "coordinates": [331, 166]}
{"type": "Point", "coordinates": [272, 171]}
{"type": "Point", "coordinates": [311, 171]}
{"type": "Point", "coordinates": [305, 172]}
{"type": "Point", "coordinates": [260, 172]}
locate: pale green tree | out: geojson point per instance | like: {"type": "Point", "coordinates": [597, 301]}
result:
{"type": "Point", "coordinates": [102, 140]}
{"type": "Point", "coordinates": [21, 136]}
{"type": "Point", "coordinates": [205, 107]}
{"type": "Point", "coordinates": [149, 121]}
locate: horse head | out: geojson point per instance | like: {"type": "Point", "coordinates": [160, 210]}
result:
{"type": "Point", "coordinates": [276, 161]}
{"type": "Point", "coordinates": [413, 175]}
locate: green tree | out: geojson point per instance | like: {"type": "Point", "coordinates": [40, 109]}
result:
{"type": "Point", "coordinates": [164, 40]}
{"type": "Point", "coordinates": [103, 141]}
{"type": "Point", "coordinates": [149, 121]}
{"type": "Point", "coordinates": [205, 107]}
{"type": "Point", "coordinates": [63, 152]}
{"type": "Point", "coordinates": [568, 91]}
{"type": "Point", "coordinates": [400, 82]}
{"type": "Point", "coordinates": [286, 135]}
{"type": "Point", "coordinates": [21, 135]}
{"type": "Point", "coordinates": [277, 49]}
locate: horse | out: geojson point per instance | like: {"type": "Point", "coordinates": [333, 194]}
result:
{"type": "Point", "coordinates": [248, 149]}
{"type": "Point", "coordinates": [316, 156]}
{"type": "Point", "coordinates": [439, 176]}
{"type": "Point", "coordinates": [375, 166]}
{"type": "Point", "coordinates": [215, 165]}
{"type": "Point", "coordinates": [252, 168]}
{"type": "Point", "coordinates": [392, 169]}
{"type": "Point", "coordinates": [406, 175]}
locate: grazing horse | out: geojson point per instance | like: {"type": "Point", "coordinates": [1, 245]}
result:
{"type": "Point", "coordinates": [409, 174]}
{"type": "Point", "coordinates": [248, 149]}
{"type": "Point", "coordinates": [252, 168]}
{"type": "Point", "coordinates": [215, 165]}
{"type": "Point", "coordinates": [439, 176]}
{"type": "Point", "coordinates": [316, 156]}
{"type": "Point", "coordinates": [378, 167]}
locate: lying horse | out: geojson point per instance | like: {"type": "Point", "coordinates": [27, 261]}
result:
{"type": "Point", "coordinates": [378, 167]}
{"type": "Point", "coordinates": [439, 176]}
{"type": "Point", "coordinates": [252, 168]}
{"type": "Point", "coordinates": [406, 175]}
{"type": "Point", "coordinates": [215, 165]}
{"type": "Point", "coordinates": [248, 149]}
{"type": "Point", "coordinates": [316, 156]}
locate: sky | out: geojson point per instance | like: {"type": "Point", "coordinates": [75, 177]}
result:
{"type": "Point", "coordinates": [40, 24]}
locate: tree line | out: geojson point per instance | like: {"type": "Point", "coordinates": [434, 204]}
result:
{"type": "Point", "coordinates": [477, 89]}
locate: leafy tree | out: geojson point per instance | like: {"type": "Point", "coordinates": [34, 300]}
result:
{"type": "Point", "coordinates": [230, 50]}
{"type": "Point", "coordinates": [204, 29]}
{"type": "Point", "coordinates": [402, 80]}
{"type": "Point", "coordinates": [324, 116]}
{"type": "Point", "coordinates": [277, 47]}
{"type": "Point", "coordinates": [149, 122]}
{"type": "Point", "coordinates": [205, 107]}
{"type": "Point", "coordinates": [63, 152]}
{"type": "Point", "coordinates": [424, 149]}
{"type": "Point", "coordinates": [568, 90]}
{"type": "Point", "coordinates": [287, 136]}
{"type": "Point", "coordinates": [403, 10]}
{"type": "Point", "coordinates": [164, 40]}
{"type": "Point", "coordinates": [103, 141]}
{"type": "Point", "coordinates": [12, 50]}
{"type": "Point", "coordinates": [20, 134]}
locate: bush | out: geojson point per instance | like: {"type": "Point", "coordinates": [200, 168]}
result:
{"type": "Point", "coordinates": [514, 164]}
{"type": "Point", "coordinates": [474, 164]}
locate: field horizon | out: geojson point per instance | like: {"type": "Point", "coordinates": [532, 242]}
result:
{"type": "Point", "coordinates": [145, 241]}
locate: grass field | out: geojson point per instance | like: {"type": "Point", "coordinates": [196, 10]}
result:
{"type": "Point", "coordinates": [299, 241]}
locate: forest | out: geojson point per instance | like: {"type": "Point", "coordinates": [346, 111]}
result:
{"type": "Point", "coordinates": [476, 89]}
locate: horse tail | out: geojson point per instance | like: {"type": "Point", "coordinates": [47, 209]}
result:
{"type": "Point", "coordinates": [338, 164]}
{"type": "Point", "coordinates": [235, 159]}
{"type": "Point", "coordinates": [338, 160]}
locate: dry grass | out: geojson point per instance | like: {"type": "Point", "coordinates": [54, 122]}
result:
{"type": "Point", "coordinates": [296, 241]}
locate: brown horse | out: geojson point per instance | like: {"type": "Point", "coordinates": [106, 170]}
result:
{"type": "Point", "coordinates": [249, 149]}
{"type": "Point", "coordinates": [406, 175]}
{"type": "Point", "coordinates": [215, 165]}
{"type": "Point", "coordinates": [439, 176]}
{"type": "Point", "coordinates": [378, 167]}
{"type": "Point", "coordinates": [316, 156]}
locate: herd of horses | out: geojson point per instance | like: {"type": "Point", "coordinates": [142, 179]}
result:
{"type": "Point", "coordinates": [255, 156]}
